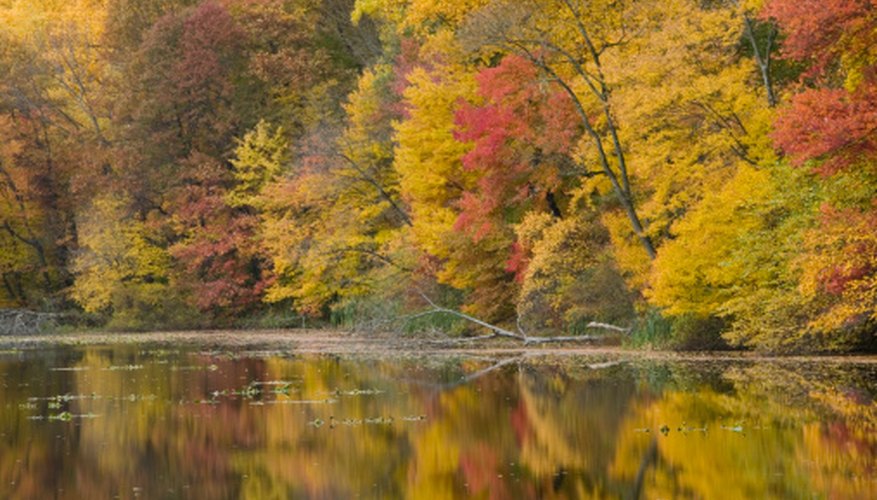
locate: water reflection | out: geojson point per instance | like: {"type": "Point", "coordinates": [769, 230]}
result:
{"type": "Point", "coordinates": [124, 422]}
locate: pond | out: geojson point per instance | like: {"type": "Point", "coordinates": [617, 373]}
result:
{"type": "Point", "coordinates": [128, 421]}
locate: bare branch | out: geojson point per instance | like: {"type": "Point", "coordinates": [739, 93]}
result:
{"type": "Point", "coordinates": [501, 332]}
{"type": "Point", "coordinates": [370, 253]}
{"type": "Point", "coordinates": [24, 322]}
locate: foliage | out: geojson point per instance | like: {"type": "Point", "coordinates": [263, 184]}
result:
{"type": "Point", "coordinates": [259, 159]}
{"type": "Point", "coordinates": [841, 261]}
{"type": "Point", "coordinates": [703, 171]}
{"type": "Point", "coordinates": [829, 125]}
{"type": "Point", "coordinates": [569, 277]}
{"type": "Point", "coordinates": [335, 225]}
{"type": "Point", "coordinates": [120, 271]}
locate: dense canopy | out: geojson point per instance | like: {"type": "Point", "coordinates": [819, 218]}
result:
{"type": "Point", "coordinates": [702, 171]}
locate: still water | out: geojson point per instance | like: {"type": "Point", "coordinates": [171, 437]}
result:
{"type": "Point", "coordinates": [135, 422]}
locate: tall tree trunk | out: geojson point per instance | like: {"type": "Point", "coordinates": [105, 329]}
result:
{"type": "Point", "coordinates": [762, 59]}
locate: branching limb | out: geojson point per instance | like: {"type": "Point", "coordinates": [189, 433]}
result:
{"type": "Point", "coordinates": [501, 332]}
{"type": "Point", "coordinates": [24, 322]}
{"type": "Point", "coordinates": [521, 336]}
{"type": "Point", "coordinates": [607, 326]}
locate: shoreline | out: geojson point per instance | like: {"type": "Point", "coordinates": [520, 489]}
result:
{"type": "Point", "coordinates": [303, 341]}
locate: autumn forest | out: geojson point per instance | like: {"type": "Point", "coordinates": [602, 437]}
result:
{"type": "Point", "coordinates": [702, 172]}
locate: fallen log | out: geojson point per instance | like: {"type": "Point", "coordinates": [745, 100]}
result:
{"type": "Point", "coordinates": [520, 336]}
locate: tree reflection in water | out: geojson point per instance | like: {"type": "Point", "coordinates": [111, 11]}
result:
{"type": "Point", "coordinates": [171, 424]}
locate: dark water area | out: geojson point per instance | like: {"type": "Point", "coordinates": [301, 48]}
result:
{"type": "Point", "coordinates": [135, 422]}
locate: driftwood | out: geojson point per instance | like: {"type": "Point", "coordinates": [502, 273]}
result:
{"type": "Point", "coordinates": [24, 322]}
{"type": "Point", "coordinates": [520, 335]}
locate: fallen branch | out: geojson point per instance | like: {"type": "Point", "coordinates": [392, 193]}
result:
{"type": "Point", "coordinates": [24, 322]}
{"type": "Point", "coordinates": [464, 340]}
{"type": "Point", "coordinates": [570, 338]}
{"type": "Point", "coordinates": [502, 332]}
{"type": "Point", "coordinates": [607, 326]}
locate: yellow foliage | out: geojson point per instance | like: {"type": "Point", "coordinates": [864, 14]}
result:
{"type": "Point", "coordinates": [428, 158]}
{"type": "Point", "coordinates": [627, 251]}
{"type": "Point", "coordinates": [67, 35]}
{"type": "Point", "coordinates": [840, 261]}
{"type": "Point", "coordinates": [733, 256]}
{"type": "Point", "coordinates": [118, 258]}
{"type": "Point", "coordinates": [690, 114]}
{"type": "Point", "coordinates": [335, 226]}
{"type": "Point", "coordinates": [259, 158]}
{"type": "Point", "coordinates": [696, 272]}
{"type": "Point", "coordinates": [421, 16]}
{"type": "Point", "coordinates": [19, 215]}
{"type": "Point", "coordinates": [570, 276]}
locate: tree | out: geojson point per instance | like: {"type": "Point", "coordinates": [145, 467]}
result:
{"type": "Point", "coordinates": [260, 158]}
{"type": "Point", "coordinates": [841, 260]}
{"type": "Point", "coordinates": [734, 256]}
{"type": "Point", "coordinates": [24, 264]}
{"type": "Point", "coordinates": [200, 78]}
{"type": "Point", "coordinates": [567, 274]}
{"type": "Point", "coordinates": [335, 223]}
{"type": "Point", "coordinates": [217, 248]}
{"type": "Point", "coordinates": [833, 120]}
{"type": "Point", "coordinates": [830, 124]}
{"type": "Point", "coordinates": [122, 272]}
{"type": "Point", "coordinates": [525, 206]}
{"type": "Point", "coordinates": [570, 53]}
{"type": "Point", "coordinates": [54, 121]}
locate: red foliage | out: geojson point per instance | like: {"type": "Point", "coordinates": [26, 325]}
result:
{"type": "Point", "coordinates": [202, 76]}
{"type": "Point", "coordinates": [186, 73]}
{"type": "Point", "coordinates": [406, 61]}
{"type": "Point", "coordinates": [522, 123]}
{"type": "Point", "coordinates": [218, 254]}
{"type": "Point", "coordinates": [196, 68]}
{"type": "Point", "coordinates": [833, 121]}
{"type": "Point", "coordinates": [848, 240]}
{"type": "Point", "coordinates": [209, 38]}
{"type": "Point", "coordinates": [832, 125]}
{"type": "Point", "coordinates": [836, 122]}
{"type": "Point", "coordinates": [814, 29]}
{"type": "Point", "coordinates": [518, 261]}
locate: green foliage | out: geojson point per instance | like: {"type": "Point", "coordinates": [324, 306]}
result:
{"type": "Point", "coordinates": [651, 330]}
{"type": "Point", "coordinates": [279, 316]}
{"type": "Point", "coordinates": [689, 332]}
{"type": "Point", "coordinates": [697, 333]}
